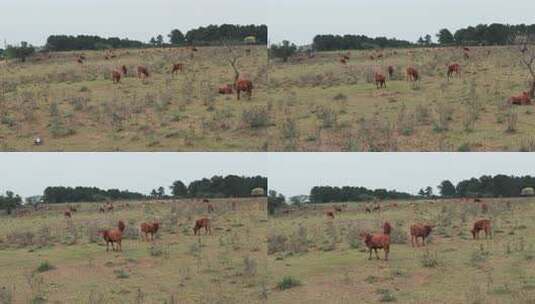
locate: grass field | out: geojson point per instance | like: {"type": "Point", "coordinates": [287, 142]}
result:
{"type": "Point", "coordinates": [320, 104]}
{"type": "Point", "coordinates": [46, 258]}
{"type": "Point", "coordinates": [326, 262]}
{"type": "Point", "coordinates": [76, 107]}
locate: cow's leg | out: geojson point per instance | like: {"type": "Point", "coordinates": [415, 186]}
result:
{"type": "Point", "coordinates": [107, 246]}
{"type": "Point", "coordinates": [412, 240]}
{"type": "Point", "coordinates": [370, 254]}
{"type": "Point", "coordinates": [376, 254]}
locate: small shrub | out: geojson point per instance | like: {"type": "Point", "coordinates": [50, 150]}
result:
{"type": "Point", "coordinates": [386, 295]}
{"type": "Point", "coordinates": [121, 274]}
{"type": "Point", "coordinates": [429, 260]}
{"type": "Point", "coordinates": [288, 282]}
{"type": "Point", "coordinates": [276, 243]}
{"type": "Point", "coordinates": [44, 266]}
{"type": "Point", "coordinates": [256, 117]}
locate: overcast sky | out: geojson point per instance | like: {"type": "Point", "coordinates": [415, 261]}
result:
{"type": "Point", "coordinates": [300, 20]}
{"type": "Point", "coordinates": [30, 173]}
{"type": "Point", "coordinates": [297, 173]}
{"type": "Point", "coordinates": [35, 20]}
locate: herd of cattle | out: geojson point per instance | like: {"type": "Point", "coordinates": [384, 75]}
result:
{"type": "Point", "coordinates": [412, 74]}
{"type": "Point", "coordinates": [375, 241]}
{"type": "Point", "coordinates": [146, 230]}
{"type": "Point", "coordinates": [240, 85]}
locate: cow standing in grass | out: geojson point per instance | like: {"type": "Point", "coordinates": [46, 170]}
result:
{"type": "Point", "coordinates": [380, 80]}
{"type": "Point", "coordinates": [202, 223]}
{"type": "Point", "coordinates": [420, 231]}
{"type": "Point", "coordinates": [114, 236]}
{"type": "Point", "coordinates": [479, 226]}
{"type": "Point", "coordinates": [378, 241]}
{"type": "Point", "coordinates": [149, 228]}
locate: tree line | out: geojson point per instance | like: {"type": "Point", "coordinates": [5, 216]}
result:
{"type": "Point", "coordinates": [487, 186]}
{"type": "Point", "coordinates": [327, 194]}
{"type": "Point", "coordinates": [485, 34]}
{"type": "Point", "coordinates": [209, 35]}
{"type": "Point", "coordinates": [355, 42]}
{"type": "Point", "coordinates": [9, 201]}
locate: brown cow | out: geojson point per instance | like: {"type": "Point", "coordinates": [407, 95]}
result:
{"type": "Point", "coordinates": [522, 99]}
{"type": "Point", "coordinates": [210, 208]}
{"type": "Point", "coordinates": [380, 80]}
{"type": "Point", "coordinates": [142, 72]}
{"type": "Point", "coordinates": [481, 225]}
{"type": "Point", "coordinates": [177, 67]}
{"type": "Point", "coordinates": [124, 70]}
{"type": "Point", "coordinates": [200, 223]}
{"type": "Point", "coordinates": [114, 236]}
{"type": "Point", "coordinates": [454, 68]}
{"type": "Point", "coordinates": [412, 74]}
{"type": "Point", "coordinates": [149, 228]}
{"type": "Point", "coordinates": [244, 85]}
{"type": "Point", "coordinates": [338, 209]}
{"type": "Point", "coordinates": [116, 76]}
{"type": "Point", "coordinates": [226, 89]}
{"type": "Point", "coordinates": [329, 214]}
{"type": "Point", "coordinates": [387, 228]}
{"type": "Point", "coordinates": [342, 61]}
{"type": "Point", "coordinates": [376, 241]}
{"type": "Point", "coordinates": [420, 230]}
{"type": "Point", "coordinates": [67, 213]}
{"type": "Point", "coordinates": [390, 71]}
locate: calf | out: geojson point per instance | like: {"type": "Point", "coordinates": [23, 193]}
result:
{"type": "Point", "coordinates": [177, 67]}
{"type": "Point", "coordinates": [226, 89]}
{"type": "Point", "coordinates": [376, 241]}
{"type": "Point", "coordinates": [200, 223]}
{"type": "Point", "coordinates": [412, 74]}
{"type": "Point", "coordinates": [454, 68]}
{"type": "Point", "coordinates": [116, 76]}
{"type": "Point", "coordinates": [420, 230]}
{"type": "Point", "coordinates": [114, 236]}
{"type": "Point", "coordinates": [481, 225]}
{"type": "Point", "coordinates": [142, 72]}
{"type": "Point", "coordinates": [149, 228]}
{"type": "Point", "coordinates": [522, 99]}
{"type": "Point", "coordinates": [380, 80]}
{"type": "Point", "coordinates": [244, 85]}
{"type": "Point", "coordinates": [390, 71]}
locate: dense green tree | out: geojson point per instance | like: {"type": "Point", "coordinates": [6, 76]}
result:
{"type": "Point", "coordinates": [21, 52]}
{"type": "Point", "coordinates": [176, 37]}
{"type": "Point", "coordinates": [179, 189]}
{"type": "Point", "coordinates": [275, 201]}
{"type": "Point", "coordinates": [447, 189]}
{"type": "Point", "coordinates": [355, 42]}
{"type": "Point", "coordinates": [10, 201]}
{"type": "Point", "coordinates": [445, 37]}
{"type": "Point", "coordinates": [327, 194]}
{"type": "Point", "coordinates": [283, 51]}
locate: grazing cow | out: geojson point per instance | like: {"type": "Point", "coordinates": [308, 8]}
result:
{"type": "Point", "coordinates": [142, 72]}
{"type": "Point", "coordinates": [149, 228]}
{"type": "Point", "coordinates": [116, 76]}
{"type": "Point", "coordinates": [67, 213]}
{"type": "Point", "coordinates": [210, 208]}
{"type": "Point", "coordinates": [412, 74]}
{"type": "Point", "coordinates": [454, 68]}
{"type": "Point", "coordinates": [368, 210]}
{"type": "Point", "coordinates": [484, 207]}
{"type": "Point", "coordinates": [342, 60]}
{"type": "Point", "coordinates": [481, 225]}
{"type": "Point", "coordinates": [387, 228]}
{"type": "Point", "coordinates": [177, 67]}
{"type": "Point", "coordinates": [522, 99]}
{"type": "Point", "coordinates": [380, 56]}
{"type": "Point", "coordinates": [380, 80]}
{"type": "Point", "coordinates": [329, 214]}
{"type": "Point", "coordinates": [124, 70]}
{"type": "Point", "coordinates": [420, 230]}
{"type": "Point", "coordinates": [377, 208]}
{"type": "Point", "coordinates": [338, 209]}
{"type": "Point", "coordinates": [466, 49]}
{"type": "Point", "coordinates": [244, 85]}
{"type": "Point", "coordinates": [226, 89]}
{"type": "Point", "coordinates": [390, 71]}
{"type": "Point", "coordinates": [372, 57]}
{"type": "Point", "coordinates": [114, 236]}
{"type": "Point", "coordinates": [376, 241]}
{"type": "Point", "coordinates": [101, 210]}
{"type": "Point", "coordinates": [80, 61]}
{"type": "Point", "coordinates": [194, 49]}
{"type": "Point", "coordinates": [200, 223]}
{"type": "Point", "coordinates": [477, 200]}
